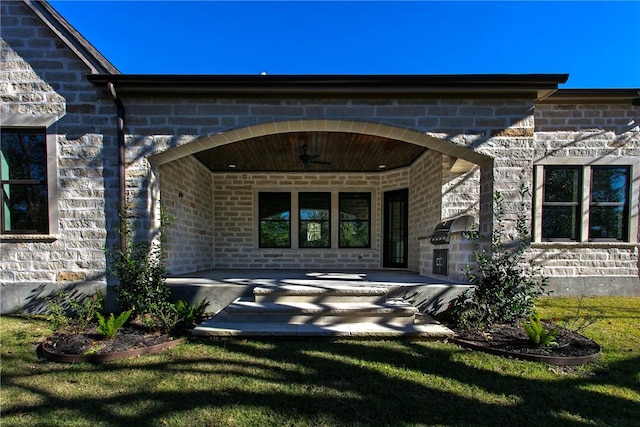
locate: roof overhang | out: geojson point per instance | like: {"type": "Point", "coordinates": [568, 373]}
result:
{"type": "Point", "coordinates": [529, 86]}
{"type": "Point", "coordinates": [593, 96]}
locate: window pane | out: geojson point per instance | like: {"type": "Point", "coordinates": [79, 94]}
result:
{"type": "Point", "coordinates": [314, 234]}
{"type": "Point", "coordinates": [561, 184]}
{"type": "Point", "coordinates": [355, 206]}
{"type": "Point", "coordinates": [275, 234]}
{"type": "Point", "coordinates": [23, 175]}
{"type": "Point", "coordinates": [609, 184]}
{"type": "Point", "coordinates": [355, 213]}
{"type": "Point", "coordinates": [315, 213]}
{"type": "Point", "coordinates": [607, 222]}
{"type": "Point", "coordinates": [274, 210]}
{"type": "Point", "coordinates": [315, 206]}
{"type": "Point", "coordinates": [354, 234]}
{"type": "Point", "coordinates": [24, 155]}
{"type": "Point", "coordinates": [560, 222]}
{"type": "Point", "coordinates": [274, 206]}
{"type": "Point", "coordinates": [25, 208]}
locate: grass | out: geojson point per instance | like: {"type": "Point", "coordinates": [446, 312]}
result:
{"type": "Point", "coordinates": [290, 383]}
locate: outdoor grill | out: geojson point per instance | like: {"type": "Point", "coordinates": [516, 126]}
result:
{"type": "Point", "coordinates": [442, 236]}
{"type": "Point", "coordinates": [442, 232]}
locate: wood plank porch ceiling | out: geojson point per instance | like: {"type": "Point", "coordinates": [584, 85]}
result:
{"type": "Point", "coordinates": [346, 152]}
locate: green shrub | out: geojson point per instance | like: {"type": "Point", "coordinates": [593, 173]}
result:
{"type": "Point", "coordinates": [505, 285]}
{"type": "Point", "coordinates": [140, 271]}
{"type": "Point", "coordinates": [109, 327]}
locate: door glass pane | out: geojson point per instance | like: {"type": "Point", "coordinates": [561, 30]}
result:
{"type": "Point", "coordinates": [395, 229]}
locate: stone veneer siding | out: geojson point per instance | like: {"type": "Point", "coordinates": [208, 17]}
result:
{"type": "Point", "coordinates": [586, 134]}
{"type": "Point", "coordinates": [44, 85]}
{"type": "Point", "coordinates": [188, 197]}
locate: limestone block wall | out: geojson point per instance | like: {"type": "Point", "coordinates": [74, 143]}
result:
{"type": "Point", "coordinates": [424, 205]}
{"type": "Point", "coordinates": [235, 224]}
{"type": "Point", "coordinates": [589, 134]}
{"type": "Point", "coordinates": [43, 85]}
{"type": "Point", "coordinates": [493, 127]}
{"type": "Point", "coordinates": [187, 196]}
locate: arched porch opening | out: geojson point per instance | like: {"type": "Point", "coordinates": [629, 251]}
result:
{"type": "Point", "coordinates": [213, 187]}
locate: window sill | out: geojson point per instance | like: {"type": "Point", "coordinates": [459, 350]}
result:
{"type": "Point", "coordinates": [559, 244]}
{"type": "Point", "coordinates": [24, 238]}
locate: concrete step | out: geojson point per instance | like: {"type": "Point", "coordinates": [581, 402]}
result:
{"type": "Point", "coordinates": [320, 294]}
{"type": "Point", "coordinates": [424, 330]}
{"type": "Point", "coordinates": [392, 312]}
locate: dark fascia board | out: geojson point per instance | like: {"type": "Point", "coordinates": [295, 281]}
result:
{"type": "Point", "coordinates": [534, 86]}
{"type": "Point", "coordinates": [71, 37]}
{"type": "Point", "coordinates": [592, 96]}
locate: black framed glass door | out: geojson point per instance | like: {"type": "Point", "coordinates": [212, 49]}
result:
{"type": "Point", "coordinates": [396, 224]}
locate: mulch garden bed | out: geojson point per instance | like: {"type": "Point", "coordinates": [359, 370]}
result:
{"type": "Point", "coordinates": [510, 340]}
{"type": "Point", "coordinates": [89, 346]}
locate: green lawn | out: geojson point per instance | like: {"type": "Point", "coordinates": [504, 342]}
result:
{"type": "Point", "coordinates": [287, 383]}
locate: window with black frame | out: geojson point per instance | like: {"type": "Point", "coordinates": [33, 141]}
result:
{"type": "Point", "coordinates": [23, 175]}
{"type": "Point", "coordinates": [609, 202]}
{"type": "Point", "coordinates": [355, 220]}
{"type": "Point", "coordinates": [607, 190]}
{"type": "Point", "coordinates": [315, 220]}
{"type": "Point", "coordinates": [274, 211]}
{"type": "Point", "coordinates": [561, 203]}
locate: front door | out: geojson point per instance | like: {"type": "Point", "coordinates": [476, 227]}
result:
{"type": "Point", "coordinates": [396, 224]}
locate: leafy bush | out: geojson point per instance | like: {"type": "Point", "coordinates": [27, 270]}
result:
{"type": "Point", "coordinates": [109, 327]}
{"type": "Point", "coordinates": [140, 271]}
{"type": "Point", "coordinates": [74, 314]}
{"type": "Point", "coordinates": [537, 333]}
{"type": "Point", "coordinates": [506, 286]}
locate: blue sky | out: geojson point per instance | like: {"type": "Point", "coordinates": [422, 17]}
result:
{"type": "Point", "coordinates": [597, 43]}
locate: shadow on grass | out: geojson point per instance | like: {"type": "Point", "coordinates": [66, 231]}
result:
{"type": "Point", "coordinates": [322, 383]}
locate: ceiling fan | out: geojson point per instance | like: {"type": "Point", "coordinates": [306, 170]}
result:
{"type": "Point", "coordinates": [307, 159]}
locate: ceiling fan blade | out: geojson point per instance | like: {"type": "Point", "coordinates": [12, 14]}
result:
{"type": "Point", "coordinates": [320, 162]}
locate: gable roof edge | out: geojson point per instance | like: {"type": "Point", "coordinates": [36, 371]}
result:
{"type": "Point", "coordinates": [87, 53]}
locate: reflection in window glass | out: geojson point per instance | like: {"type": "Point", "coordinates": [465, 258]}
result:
{"type": "Point", "coordinates": [274, 211]}
{"type": "Point", "coordinates": [355, 220]}
{"type": "Point", "coordinates": [561, 205]}
{"type": "Point", "coordinates": [609, 203]}
{"type": "Point", "coordinates": [315, 215]}
{"type": "Point", "coordinates": [23, 173]}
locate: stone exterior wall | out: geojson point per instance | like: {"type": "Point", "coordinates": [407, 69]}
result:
{"type": "Point", "coordinates": [235, 236]}
{"type": "Point", "coordinates": [187, 196]}
{"type": "Point", "coordinates": [588, 134]}
{"type": "Point", "coordinates": [44, 85]}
